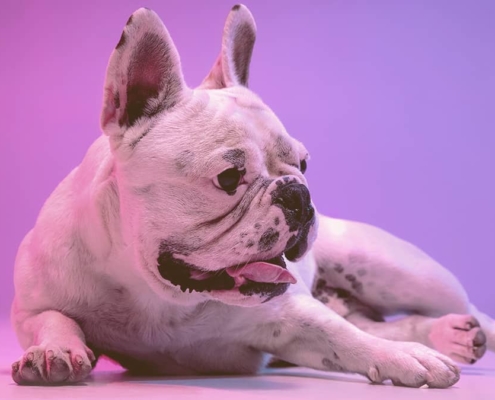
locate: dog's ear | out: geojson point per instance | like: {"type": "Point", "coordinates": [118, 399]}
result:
{"type": "Point", "coordinates": [144, 75]}
{"type": "Point", "coordinates": [232, 65]}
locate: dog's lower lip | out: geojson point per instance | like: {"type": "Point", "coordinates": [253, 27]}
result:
{"type": "Point", "coordinates": [182, 275]}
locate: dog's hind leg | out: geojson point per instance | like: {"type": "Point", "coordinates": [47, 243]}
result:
{"type": "Point", "coordinates": [389, 275]}
{"type": "Point", "coordinates": [458, 336]}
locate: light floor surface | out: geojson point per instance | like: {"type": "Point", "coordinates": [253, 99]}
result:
{"type": "Point", "coordinates": [109, 381]}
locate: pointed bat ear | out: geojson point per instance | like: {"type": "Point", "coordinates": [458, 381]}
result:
{"type": "Point", "coordinates": [144, 75]}
{"type": "Point", "coordinates": [232, 65]}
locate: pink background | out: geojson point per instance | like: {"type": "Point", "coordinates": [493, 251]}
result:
{"type": "Point", "coordinates": [394, 99]}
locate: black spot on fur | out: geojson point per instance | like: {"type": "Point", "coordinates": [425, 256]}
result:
{"type": "Point", "coordinates": [184, 160]}
{"type": "Point", "coordinates": [284, 148]}
{"type": "Point", "coordinates": [177, 245]}
{"type": "Point", "coordinates": [350, 277]}
{"type": "Point", "coordinates": [257, 225]}
{"type": "Point", "coordinates": [321, 288]}
{"type": "Point", "coordinates": [276, 221]}
{"type": "Point", "coordinates": [336, 356]}
{"type": "Point", "coordinates": [236, 7]}
{"type": "Point", "coordinates": [342, 293]}
{"type": "Point", "coordinates": [250, 243]}
{"type": "Point", "coordinates": [242, 51]}
{"type": "Point", "coordinates": [321, 283]}
{"type": "Point", "coordinates": [236, 157]}
{"type": "Point", "coordinates": [268, 240]}
{"type": "Point", "coordinates": [143, 190]}
{"type": "Point", "coordinates": [339, 268]}
{"type": "Point", "coordinates": [327, 363]}
{"type": "Point", "coordinates": [276, 333]}
{"type": "Point", "coordinates": [357, 286]}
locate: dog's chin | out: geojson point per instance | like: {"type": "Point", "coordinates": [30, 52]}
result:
{"type": "Point", "coordinates": [246, 284]}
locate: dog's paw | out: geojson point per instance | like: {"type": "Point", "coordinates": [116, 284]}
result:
{"type": "Point", "coordinates": [458, 336]}
{"type": "Point", "coordinates": [414, 365]}
{"type": "Point", "coordinates": [52, 364]}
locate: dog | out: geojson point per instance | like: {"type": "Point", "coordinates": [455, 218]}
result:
{"type": "Point", "coordinates": [186, 243]}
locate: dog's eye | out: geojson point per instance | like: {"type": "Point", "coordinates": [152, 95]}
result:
{"type": "Point", "coordinates": [303, 166]}
{"type": "Point", "coordinates": [229, 179]}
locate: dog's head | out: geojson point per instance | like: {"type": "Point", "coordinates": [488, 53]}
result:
{"type": "Point", "coordinates": [212, 193]}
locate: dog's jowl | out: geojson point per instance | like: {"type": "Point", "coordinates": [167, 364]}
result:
{"type": "Point", "coordinates": [186, 243]}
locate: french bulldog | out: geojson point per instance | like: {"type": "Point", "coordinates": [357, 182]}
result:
{"type": "Point", "coordinates": [186, 243]}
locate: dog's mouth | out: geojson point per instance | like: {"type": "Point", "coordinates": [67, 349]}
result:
{"type": "Point", "coordinates": [267, 278]}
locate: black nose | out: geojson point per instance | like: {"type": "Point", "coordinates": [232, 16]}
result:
{"type": "Point", "coordinates": [295, 201]}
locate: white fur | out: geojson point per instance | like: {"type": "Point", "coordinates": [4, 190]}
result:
{"type": "Point", "coordinates": [86, 275]}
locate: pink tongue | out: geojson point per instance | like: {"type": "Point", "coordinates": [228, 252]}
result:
{"type": "Point", "coordinates": [262, 272]}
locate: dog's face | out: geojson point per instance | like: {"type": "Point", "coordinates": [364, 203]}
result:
{"type": "Point", "coordinates": [212, 193]}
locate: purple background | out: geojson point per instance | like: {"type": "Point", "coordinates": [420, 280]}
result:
{"type": "Point", "coordinates": [394, 99]}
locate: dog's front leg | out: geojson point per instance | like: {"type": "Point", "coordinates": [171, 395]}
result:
{"type": "Point", "coordinates": [55, 349]}
{"type": "Point", "coordinates": [304, 332]}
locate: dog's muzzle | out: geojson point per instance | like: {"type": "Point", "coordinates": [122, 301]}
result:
{"type": "Point", "coordinates": [266, 278]}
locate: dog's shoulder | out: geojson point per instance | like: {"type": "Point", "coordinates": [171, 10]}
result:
{"type": "Point", "coordinates": [61, 243]}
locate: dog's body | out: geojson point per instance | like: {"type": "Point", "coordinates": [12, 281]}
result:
{"type": "Point", "coordinates": [164, 249]}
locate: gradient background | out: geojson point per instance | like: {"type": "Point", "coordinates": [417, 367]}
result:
{"type": "Point", "coordinates": [394, 99]}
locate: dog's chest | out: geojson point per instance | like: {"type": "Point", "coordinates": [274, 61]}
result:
{"type": "Point", "coordinates": [170, 339]}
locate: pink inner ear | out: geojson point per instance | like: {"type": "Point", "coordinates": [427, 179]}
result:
{"type": "Point", "coordinates": [148, 66]}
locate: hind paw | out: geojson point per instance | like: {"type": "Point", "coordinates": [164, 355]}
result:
{"type": "Point", "coordinates": [459, 337]}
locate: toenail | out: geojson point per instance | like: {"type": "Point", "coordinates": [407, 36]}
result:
{"type": "Point", "coordinates": [79, 360]}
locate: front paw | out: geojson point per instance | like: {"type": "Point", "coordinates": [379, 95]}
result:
{"type": "Point", "coordinates": [413, 365]}
{"type": "Point", "coordinates": [52, 364]}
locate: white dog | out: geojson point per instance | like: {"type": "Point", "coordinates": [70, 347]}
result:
{"type": "Point", "coordinates": [183, 244]}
